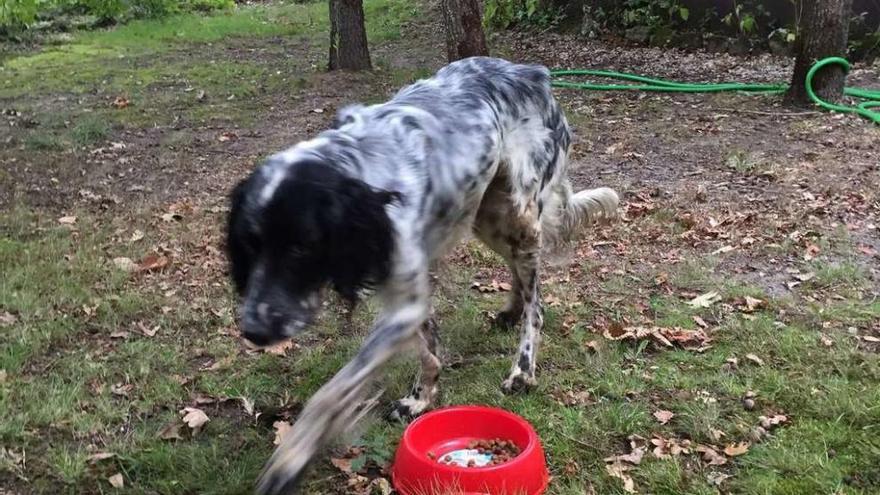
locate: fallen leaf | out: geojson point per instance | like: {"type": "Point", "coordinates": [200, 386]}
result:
{"type": "Point", "coordinates": [152, 262]}
{"type": "Point", "coordinates": [722, 250]}
{"type": "Point", "coordinates": [125, 264]}
{"type": "Point", "coordinates": [194, 418]}
{"type": "Point", "coordinates": [664, 416]}
{"type": "Point", "coordinates": [170, 431]}
{"type": "Point", "coordinates": [737, 449]}
{"type": "Point", "coordinates": [100, 456]}
{"type": "Point", "coordinates": [7, 319]}
{"type": "Point", "coordinates": [618, 470]}
{"type": "Point", "coordinates": [768, 422]}
{"type": "Point", "coordinates": [665, 448]}
{"type": "Point", "coordinates": [826, 341]}
{"type": "Point", "coordinates": [3, 375]}
{"type": "Point", "coordinates": [227, 136]}
{"type": "Point", "coordinates": [870, 338]}
{"type": "Point", "coordinates": [120, 102]}
{"type": "Point", "coordinates": [755, 359]}
{"type": "Point", "coordinates": [281, 348]}
{"type": "Point", "coordinates": [119, 334]}
{"type": "Point", "coordinates": [343, 465]}
{"type": "Point", "coordinates": [283, 428]}
{"type": "Point", "coordinates": [593, 345]}
{"type": "Point", "coordinates": [805, 277]}
{"type": "Point", "coordinates": [704, 301]}
{"type": "Point", "coordinates": [700, 322]}
{"type": "Point", "coordinates": [318, 110]}
{"type": "Point", "coordinates": [716, 435]}
{"type": "Point", "coordinates": [634, 457]}
{"type": "Point", "coordinates": [147, 331]}
{"type": "Point", "coordinates": [753, 304]}
{"type": "Point", "coordinates": [717, 478]}
{"type": "Point", "coordinates": [136, 236]}
{"type": "Point", "coordinates": [121, 389]}
{"type": "Point", "coordinates": [380, 486]}
{"type": "Point", "coordinates": [67, 220]}
{"type": "Point", "coordinates": [811, 252]}
{"type": "Point", "coordinates": [711, 456]}
{"type": "Point", "coordinates": [116, 481]}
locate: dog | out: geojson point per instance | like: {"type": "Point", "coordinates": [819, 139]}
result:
{"type": "Point", "coordinates": [371, 203]}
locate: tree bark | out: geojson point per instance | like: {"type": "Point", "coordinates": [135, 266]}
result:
{"type": "Point", "coordinates": [823, 32]}
{"type": "Point", "coordinates": [348, 36]}
{"type": "Point", "coordinates": [463, 20]}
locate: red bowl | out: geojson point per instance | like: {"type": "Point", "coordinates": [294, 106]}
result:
{"type": "Point", "coordinates": [446, 430]}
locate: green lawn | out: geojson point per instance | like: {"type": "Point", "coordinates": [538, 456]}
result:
{"type": "Point", "coordinates": [95, 360]}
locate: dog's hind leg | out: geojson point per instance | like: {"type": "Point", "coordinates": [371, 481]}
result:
{"type": "Point", "coordinates": [424, 391]}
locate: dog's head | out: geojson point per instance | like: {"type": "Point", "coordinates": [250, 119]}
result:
{"type": "Point", "coordinates": [295, 230]}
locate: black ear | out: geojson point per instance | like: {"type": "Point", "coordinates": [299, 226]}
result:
{"type": "Point", "coordinates": [242, 243]}
{"type": "Point", "coordinates": [362, 238]}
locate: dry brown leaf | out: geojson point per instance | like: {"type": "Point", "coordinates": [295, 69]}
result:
{"type": "Point", "coordinates": [811, 252]}
{"type": "Point", "coordinates": [120, 102]}
{"type": "Point", "coordinates": [618, 470]}
{"type": "Point", "coordinates": [69, 220]}
{"type": "Point", "coordinates": [755, 359]}
{"type": "Point", "coordinates": [700, 322]}
{"type": "Point", "coordinates": [665, 448]}
{"type": "Point", "coordinates": [826, 341]}
{"type": "Point", "coordinates": [717, 478]}
{"type": "Point", "coordinates": [152, 262]}
{"type": "Point", "coordinates": [704, 301]}
{"type": "Point", "coordinates": [116, 481]}
{"type": "Point", "coordinates": [870, 338]}
{"type": "Point", "coordinates": [768, 422]}
{"type": "Point", "coordinates": [147, 331]}
{"type": "Point", "coordinates": [737, 449]}
{"type": "Point", "coordinates": [283, 428]}
{"type": "Point", "coordinates": [711, 456]}
{"type": "Point", "coordinates": [194, 418]}
{"type": "Point", "coordinates": [716, 435]}
{"type": "Point", "coordinates": [281, 348]}
{"type": "Point", "coordinates": [341, 464]}
{"type": "Point", "coordinates": [805, 277]}
{"type": "Point", "coordinates": [100, 456]}
{"type": "Point", "coordinates": [7, 319]}
{"type": "Point", "coordinates": [664, 416]}
{"type": "Point", "coordinates": [170, 431]}
{"type": "Point", "coordinates": [753, 304]}
{"type": "Point", "coordinates": [227, 136]}
{"type": "Point", "coordinates": [119, 334]}
{"type": "Point", "coordinates": [121, 389]}
{"type": "Point", "coordinates": [125, 264]}
{"type": "Point", "coordinates": [593, 345]}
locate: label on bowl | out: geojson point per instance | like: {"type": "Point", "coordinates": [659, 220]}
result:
{"type": "Point", "coordinates": [466, 458]}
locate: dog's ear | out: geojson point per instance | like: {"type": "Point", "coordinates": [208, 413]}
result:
{"type": "Point", "coordinates": [337, 224]}
{"type": "Point", "coordinates": [363, 238]}
{"type": "Point", "coordinates": [241, 241]}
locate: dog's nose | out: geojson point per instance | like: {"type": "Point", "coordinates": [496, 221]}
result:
{"type": "Point", "coordinates": [262, 325]}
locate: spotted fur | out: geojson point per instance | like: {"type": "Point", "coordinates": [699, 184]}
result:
{"type": "Point", "coordinates": [372, 202]}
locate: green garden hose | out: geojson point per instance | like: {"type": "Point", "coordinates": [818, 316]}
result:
{"type": "Point", "coordinates": [659, 85]}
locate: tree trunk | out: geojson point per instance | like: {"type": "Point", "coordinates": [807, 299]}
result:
{"type": "Point", "coordinates": [463, 20]}
{"type": "Point", "coordinates": [823, 32]}
{"type": "Point", "coordinates": [348, 36]}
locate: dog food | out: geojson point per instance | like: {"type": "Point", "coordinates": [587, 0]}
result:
{"type": "Point", "coordinates": [480, 453]}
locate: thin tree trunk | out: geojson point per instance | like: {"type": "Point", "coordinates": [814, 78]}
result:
{"type": "Point", "coordinates": [823, 32]}
{"type": "Point", "coordinates": [463, 20]}
{"type": "Point", "coordinates": [348, 36]}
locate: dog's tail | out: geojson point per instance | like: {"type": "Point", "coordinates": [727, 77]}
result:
{"type": "Point", "coordinates": [570, 213]}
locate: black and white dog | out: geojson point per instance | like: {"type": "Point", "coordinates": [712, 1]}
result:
{"type": "Point", "coordinates": [369, 204]}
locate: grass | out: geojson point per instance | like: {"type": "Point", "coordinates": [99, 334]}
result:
{"type": "Point", "coordinates": [79, 376]}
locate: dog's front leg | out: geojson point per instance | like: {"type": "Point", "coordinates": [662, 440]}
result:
{"type": "Point", "coordinates": [335, 405]}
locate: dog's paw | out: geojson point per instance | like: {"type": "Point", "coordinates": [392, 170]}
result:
{"type": "Point", "coordinates": [408, 408]}
{"type": "Point", "coordinates": [518, 382]}
{"type": "Point", "coordinates": [507, 319]}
